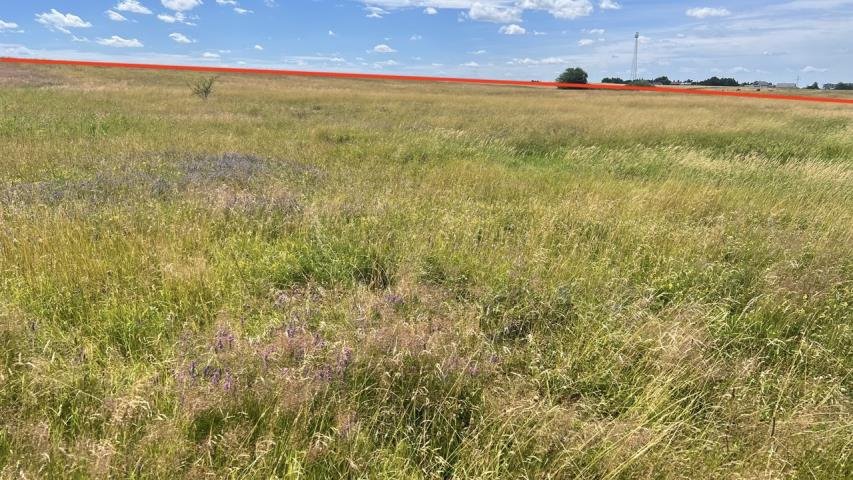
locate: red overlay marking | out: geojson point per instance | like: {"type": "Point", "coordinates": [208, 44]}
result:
{"type": "Point", "coordinates": [409, 78]}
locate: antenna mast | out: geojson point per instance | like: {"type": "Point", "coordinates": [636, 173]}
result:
{"type": "Point", "coordinates": [635, 65]}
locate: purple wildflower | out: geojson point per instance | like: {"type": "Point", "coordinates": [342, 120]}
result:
{"type": "Point", "coordinates": [394, 299]}
{"type": "Point", "coordinates": [344, 359]}
{"type": "Point", "coordinates": [290, 331]}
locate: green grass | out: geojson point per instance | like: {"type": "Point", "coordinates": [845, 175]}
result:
{"type": "Point", "coordinates": [307, 278]}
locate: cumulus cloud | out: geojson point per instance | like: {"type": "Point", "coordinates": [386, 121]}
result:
{"type": "Point", "coordinates": [258, 47]}
{"type": "Point", "coordinates": [494, 13]}
{"type": "Point", "coordinates": [385, 63]}
{"type": "Point", "coordinates": [56, 20]}
{"type": "Point", "coordinates": [209, 55]}
{"type": "Point", "coordinates": [132, 6]}
{"type": "Point", "coordinates": [382, 48]}
{"type": "Point", "coordinates": [512, 29]}
{"type": "Point", "coordinates": [811, 69]}
{"type": "Point", "coordinates": [178, 17]}
{"type": "Point", "coordinates": [375, 12]}
{"type": "Point", "coordinates": [115, 16]}
{"type": "Point", "coordinates": [565, 9]}
{"type": "Point", "coordinates": [181, 5]}
{"type": "Point", "coordinates": [705, 12]}
{"type": "Point", "coordinates": [538, 61]}
{"type": "Point", "coordinates": [119, 42]}
{"type": "Point", "coordinates": [609, 5]}
{"type": "Point", "coordinates": [585, 41]}
{"type": "Point", "coordinates": [181, 38]}
{"type": "Point", "coordinates": [242, 11]}
{"type": "Point", "coordinates": [7, 25]}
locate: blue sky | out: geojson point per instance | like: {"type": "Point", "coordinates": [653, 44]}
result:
{"type": "Point", "coordinates": [520, 39]}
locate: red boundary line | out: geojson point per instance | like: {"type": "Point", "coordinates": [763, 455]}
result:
{"type": "Point", "coordinates": [409, 78]}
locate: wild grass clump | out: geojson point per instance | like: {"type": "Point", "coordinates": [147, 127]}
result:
{"type": "Point", "coordinates": [203, 87]}
{"type": "Point", "coordinates": [309, 279]}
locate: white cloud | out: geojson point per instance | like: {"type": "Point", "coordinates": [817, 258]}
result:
{"type": "Point", "coordinates": [332, 34]}
{"type": "Point", "coordinates": [706, 12]}
{"type": "Point", "coordinates": [242, 11]}
{"type": "Point", "coordinates": [55, 20]}
{"type": "Point", "coordinates": [181, 5]}
{"type": "Point", "coordinates": [375, 12]}
{"type": "Point", "coordinates": [494, 13]}
{"type": "Point", "coordinates": [7, 25]}
{"type": "Point", "coordinates": [382, 48]}
{"type": "Point", "coordinates": [210, 55]}
{"type": "Point", "coordinates": [595, 31]}
{"type": "Point", "coordinates": [178, 17]}
{"type": "Point", "coordinates": [226, 2]}
{"type": "Point", "coordinates": [512, 29]}
{"type": "Point", "coordinates": [416, 37]}
{"type": "Point", "coordinates": [258, 47]}
{"type": "Point", "coordinates": [181, 38]}
{"type": "Point", "coordinates": [132, 6]}
{"type": "Point", "coordinates": [477, 52]}
{"type": "Point", "coordinates": [609, 5]}
{"type": "Point", "coordinates": [585, 41]}
{"type": "Point", "coordinates": [471, 64]}
{"type": "Point", "coordinates": [811, 69]}
{"type": "Point", "coordinates": [115, 16]}
{"type": "Point", "coordinates": [385, 63]}
{"type": "Point", "coordinates": [535, 61]}
{"type": "Point", "coordinates": [119, 42]}
{"type": "Point", "coordinates": [565, 9]}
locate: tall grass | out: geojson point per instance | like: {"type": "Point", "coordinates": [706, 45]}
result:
{"type": "Point", "coordinates": [311, 278]}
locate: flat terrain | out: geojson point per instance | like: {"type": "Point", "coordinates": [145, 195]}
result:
{"type": "Point", "coordinates": [307, 278]}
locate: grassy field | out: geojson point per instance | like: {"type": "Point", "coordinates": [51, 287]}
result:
{"type": "Point", "coordinates": [307, 278]}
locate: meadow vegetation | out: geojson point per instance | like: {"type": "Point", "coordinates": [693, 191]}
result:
{"type": "Point", "coordinates": [312, 278]}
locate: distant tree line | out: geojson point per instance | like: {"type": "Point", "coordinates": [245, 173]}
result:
{"type": "Point", "coordinates": [657, 81]}
{"type": "Point", "coordinates": [578, 75]}
{"type": "Point", "coordinates": [711, 82]}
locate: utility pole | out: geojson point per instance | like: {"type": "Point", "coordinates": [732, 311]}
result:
{"type": "Point", "coordinates": [635, 65]}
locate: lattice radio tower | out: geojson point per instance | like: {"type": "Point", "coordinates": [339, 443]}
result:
{"type": "Point", "coordinates": [635, 65]}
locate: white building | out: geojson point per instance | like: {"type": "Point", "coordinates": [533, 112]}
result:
{"type": "Point", "coordinates": [786, 85]}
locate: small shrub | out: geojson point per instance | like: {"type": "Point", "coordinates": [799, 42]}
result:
{"type": "Point", "coordinates": [203, 88]}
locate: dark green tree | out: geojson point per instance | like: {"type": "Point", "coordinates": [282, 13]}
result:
{"type": "Point", "coordinates": [573, 75]}
{"type": "Point", "coordinates": [662, 80]}
{"type": "Point", "coordinates": [813, 86]}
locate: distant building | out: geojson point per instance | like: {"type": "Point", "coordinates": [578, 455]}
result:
{"type": "Point", "coordinates": [829, 86]}
{"type": "Point", "coordinates": [762, 83]}
{"type": "Point", "coordinates": [786, 85]}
